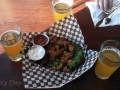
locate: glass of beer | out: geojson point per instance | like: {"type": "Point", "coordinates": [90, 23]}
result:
{"type": "Point", "coordinates": [11, 40]}
{"type": "Point", "coordinates": [61, 8]}
{"type": "Point", "coordinates": [108, 60]}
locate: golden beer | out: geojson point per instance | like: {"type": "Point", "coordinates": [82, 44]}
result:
{"type": "Point", "coordinates": [61, 10]}
{"type": "Point", "coordinates": [105, 66]}
{"type": "Point", "coordinates": [12, 43]}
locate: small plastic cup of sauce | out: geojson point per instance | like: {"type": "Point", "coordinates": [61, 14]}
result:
{"type": "Point", "coordinates": [41, 39]}
{"type": "Point", "coordinates": [36, 53]}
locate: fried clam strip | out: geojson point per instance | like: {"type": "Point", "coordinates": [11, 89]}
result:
{"type": "Point", "coordinates": [64, 56]}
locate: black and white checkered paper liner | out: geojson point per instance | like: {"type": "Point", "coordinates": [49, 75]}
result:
{"type": "Point", "coordinates": [36, 76]}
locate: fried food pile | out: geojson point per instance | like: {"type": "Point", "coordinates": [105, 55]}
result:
{"type": "Point", "coordinates": [63, 55]}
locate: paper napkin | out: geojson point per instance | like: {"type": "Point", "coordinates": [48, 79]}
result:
{"type": "Point", "coordinates": [94, 11]}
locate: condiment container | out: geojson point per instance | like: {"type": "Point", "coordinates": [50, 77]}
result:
{"type": "Point", "coordinates": [40, 39]}
{"type": "Point", "coordinates": [36, 53]}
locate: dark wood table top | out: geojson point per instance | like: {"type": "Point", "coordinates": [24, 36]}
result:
{"type": "Point", "coordinates": [36, 16]}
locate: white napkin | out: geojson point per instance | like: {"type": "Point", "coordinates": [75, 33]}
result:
{"type": "Point", "coordinates": [94, 11]}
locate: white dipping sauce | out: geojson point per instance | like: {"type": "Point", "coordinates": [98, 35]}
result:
{"type": "Point", "coordinates": [36, 52]}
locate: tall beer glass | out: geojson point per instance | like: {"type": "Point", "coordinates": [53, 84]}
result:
{"type": "Point", "coordinates": [61, 8]}
{"type": "Point", "coordinates": [11, 40]}
{"type": "Point", "coordinates": [108, 60]}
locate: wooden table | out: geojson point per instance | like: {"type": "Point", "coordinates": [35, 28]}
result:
{"type": "Point", "coordinates": [36, 16]}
